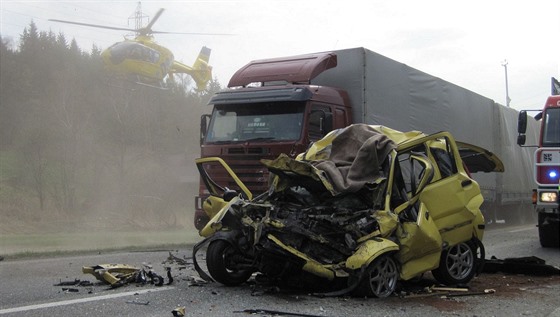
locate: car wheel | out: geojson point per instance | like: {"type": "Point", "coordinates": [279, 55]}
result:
{"type": "Point", "coordinates": [222, 260]}
{"type": "Point", "coordinates": [457, 264]}
{"type": "Point", "coordinates": [380, 278]}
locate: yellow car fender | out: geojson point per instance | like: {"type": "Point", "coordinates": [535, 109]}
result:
{"type": "Point", "coordinates": [212, 205]}
{"type": "Point", "coordinates": [215, 223]}
{"type": "Point", "coordinates": [369, 251]}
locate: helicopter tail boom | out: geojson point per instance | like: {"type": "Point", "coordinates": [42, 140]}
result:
{"type": "Point", "coordinates": [201, 72]}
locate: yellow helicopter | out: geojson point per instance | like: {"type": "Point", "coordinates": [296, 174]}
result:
{"type": "Point", "coordinates": [145, 62]}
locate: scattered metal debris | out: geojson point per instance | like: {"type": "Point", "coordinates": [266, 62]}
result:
{"type": "Point", "coordinates": [275, 313]}
{"type": "Point", "coordinates": [530, 265]}
{"type": "Point", "coordinates": [484, 292]}
{"type": "Point", "coordinates": [444, 292]}
{"type": "Point", "coordinates": [137, 302]}
{"type": "Point", "coordinates": [68, 283]}
{"type": "Point", "coordinates": [179, 311]}
{"type": "Point", "coordinates": [169, 276]}
{"type": "Point", "coordinates": [70, 290]}
{"type": "Point", "coordinates": [172, 258]}
{"type": "Point", "coordinates": [195, 281]}
{"type": "Point", "coordinates": [120, 274]}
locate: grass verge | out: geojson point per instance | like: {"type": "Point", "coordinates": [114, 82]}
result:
{"type": "Point", "coordinates": [60, 244]}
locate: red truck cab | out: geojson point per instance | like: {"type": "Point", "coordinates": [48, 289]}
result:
{"type": "Point", "coordinates": [546, 196]}
{"type": "Point", "coordinates": [269, 108]}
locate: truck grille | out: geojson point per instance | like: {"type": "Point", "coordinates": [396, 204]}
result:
{"type": "Point", "coordinates": [251, 150]}
{"type": "Point", "coordinates": [249, 170]}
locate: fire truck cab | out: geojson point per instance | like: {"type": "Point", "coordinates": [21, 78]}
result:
{"type": "Point", "coordinates": [546, 169]}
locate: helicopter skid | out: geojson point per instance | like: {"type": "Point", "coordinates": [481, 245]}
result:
{"type": "Point", "coordinates": [130, 84]}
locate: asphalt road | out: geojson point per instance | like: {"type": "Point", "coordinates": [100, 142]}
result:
{"type": "Point", "coordinates": [27, 289]}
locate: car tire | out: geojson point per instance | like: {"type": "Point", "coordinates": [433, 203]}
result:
{"type": "Point", "coordinates": [549, 233]}
{"type": "Point", "coordinates": [221, 263]}
{"type": "Point", "coordinates": [457, 264]}
{"type": "Point", "coordinates": [380, 278]}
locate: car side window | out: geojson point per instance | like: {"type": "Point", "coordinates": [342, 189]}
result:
{"type": "Point", "coordinates": [410, 169]}
{"type": "Point", "coordinates": [444, 159]}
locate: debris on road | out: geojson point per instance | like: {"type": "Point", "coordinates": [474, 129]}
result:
{"type": "Point", "coordinates": [68, 283]}
{"type": "Point", "coordinates": [120, 274]}
{"type": "Point", "coordinates": [530, 265]}
{"type": "Point", "coordinates": [179, 311]}
{"type": "Point", "coordinates": [485, 292]}
{"type": "Point", "coordinates": [275, 313]}
{"type": "Point", "coordinates": [137, 302]}
{"type": "Point", "coordinates": [444, 292]}
{"type": "Point", "coordinates": [175, 259]}
{"type": "Point", "coordinates": [195, 281]}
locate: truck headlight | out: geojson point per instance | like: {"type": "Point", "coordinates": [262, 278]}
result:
{"type": "Point", "coordinates": [549, 197]}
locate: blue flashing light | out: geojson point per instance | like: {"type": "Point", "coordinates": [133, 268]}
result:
{"type": "Point", "coordinates": [553, 174]}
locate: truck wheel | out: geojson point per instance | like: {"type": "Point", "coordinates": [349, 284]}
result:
{"type": "Point", "coordinates": [457, 264]}
{"type": "Point", "coordinates": [380, 279]}
{"type": "Point", "coordinates": [549, 232]}
{"type": "Point", "coordinates": [221, 262]}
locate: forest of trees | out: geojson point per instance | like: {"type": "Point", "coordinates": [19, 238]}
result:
{"type": "Point", "coordinates": [78, 151]}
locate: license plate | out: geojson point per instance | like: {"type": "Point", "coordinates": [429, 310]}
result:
{"type": "Point", "coordinates": [550, 156]}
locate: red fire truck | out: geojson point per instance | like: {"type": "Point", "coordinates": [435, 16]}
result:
{"type": "Point", "coordinates": [547, 167]}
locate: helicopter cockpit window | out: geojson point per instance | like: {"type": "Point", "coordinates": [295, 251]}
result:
{"type": "Point", "coordinates": [131, 50]}
{"type": "Point", "coordinates": [266, 121]}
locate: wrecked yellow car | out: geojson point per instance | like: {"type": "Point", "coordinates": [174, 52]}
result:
{"type": "Point", "coordinates": [363, 208]}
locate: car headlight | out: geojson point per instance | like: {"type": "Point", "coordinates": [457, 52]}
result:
{"type": "Point", "coordinates": [549, 197]}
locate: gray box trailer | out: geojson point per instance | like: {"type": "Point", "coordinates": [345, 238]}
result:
{"type": "Point", "coordinates": [386, 92]}
{"type": "Point", "coordinates": [376, 90]}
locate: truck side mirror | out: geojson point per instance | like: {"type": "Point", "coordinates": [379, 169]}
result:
{"type": "Point", "coordinates": [203, 126]}
{"type": "Point", "coordinates": [521, 139]}
{"type": "Point", "coordinates": [522, 122]}
{"type": "Point", "coordinates": [521, 127]}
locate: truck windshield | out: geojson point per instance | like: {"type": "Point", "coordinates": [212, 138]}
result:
{"type": "Point", "coordinates": [280, 121]}
{"type": "Point", "coordinates": [551, 127]}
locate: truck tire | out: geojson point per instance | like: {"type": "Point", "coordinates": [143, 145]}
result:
{"type": "Point", "coordinates": [549, 232]}
{"type": "Point", "coordinates": [221, 262]}
{"type": "Point", "coordinates": [457, 264]}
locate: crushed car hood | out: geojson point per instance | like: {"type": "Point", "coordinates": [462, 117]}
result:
{"type": "Point", "coordinates": [346, 159]}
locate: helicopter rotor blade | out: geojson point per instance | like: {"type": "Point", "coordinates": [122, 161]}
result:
{"type": "Point", "coordinates": [156, 17]}
{"type": "Point", "coordinates": [94, 25]}
{"type": "Point", "coordinates": [189, 33]}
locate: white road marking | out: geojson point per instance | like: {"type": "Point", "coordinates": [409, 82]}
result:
{"type": "Point", "coordinates": [82, 300]}
{"type": "Point", "coordinates": [522, 229]}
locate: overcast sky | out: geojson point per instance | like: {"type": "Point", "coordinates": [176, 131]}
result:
{"type": "Point", "coordinates": [464, 42]}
